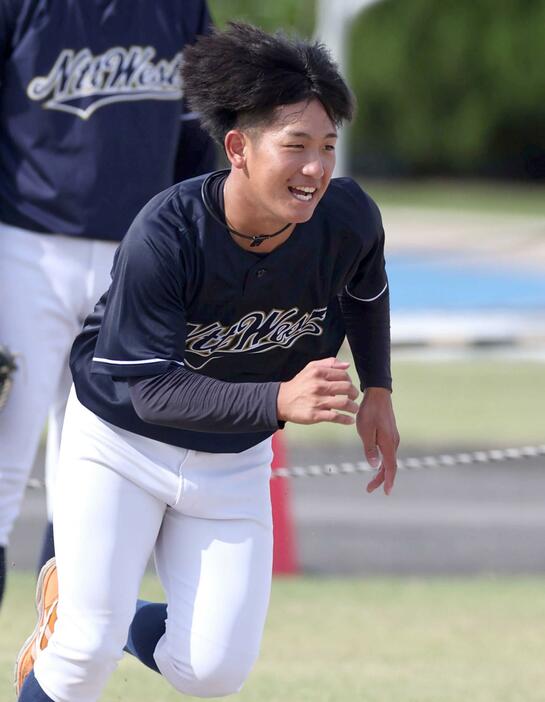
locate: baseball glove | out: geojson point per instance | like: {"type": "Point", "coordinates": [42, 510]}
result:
{"type": "Point", "coordinates": [7, 369]}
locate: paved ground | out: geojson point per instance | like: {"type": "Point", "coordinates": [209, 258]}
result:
{"type": "Point", "coordinates": [481, 519]}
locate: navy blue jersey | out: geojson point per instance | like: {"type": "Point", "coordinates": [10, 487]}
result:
{"type": "Point", "coordinates": [90, 110]}
{"type": "Point", "coordinates": [184, 293]}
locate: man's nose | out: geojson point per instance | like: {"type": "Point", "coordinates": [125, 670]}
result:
{"type": "Point", "coordinates": [314, 168]}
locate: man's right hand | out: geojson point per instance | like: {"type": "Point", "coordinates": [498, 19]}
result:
{"type": "Point", "coordinates": [321, 392]}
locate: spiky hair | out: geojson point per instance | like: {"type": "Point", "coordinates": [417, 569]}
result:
{"type": "Point", "coordinates": [240, 76]}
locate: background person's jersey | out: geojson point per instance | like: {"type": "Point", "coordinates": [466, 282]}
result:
{"type": "Point", "coordinates": [90, 110]}
{"type": "Point", "coordinates": [184, 292]}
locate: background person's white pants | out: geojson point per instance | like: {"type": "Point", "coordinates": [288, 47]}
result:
{"type": "Point", "coordinates": [208, 517]}
{"type": "Point", "coordinates": [48, 285]}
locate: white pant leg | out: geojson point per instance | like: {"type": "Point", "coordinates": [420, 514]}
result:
{"type": "Point", "coordinates": [214, 558]}
{"type": "Point", "coordinates": [210, 515]}
{"type": "Point", "coordinates": [54, 432]}
{"type": "Point", "coordinates": [36, 324]}
{"type": "Point", "coordinates": [105, 529]}
{"type": "Point", "coordinates": [97, 280]}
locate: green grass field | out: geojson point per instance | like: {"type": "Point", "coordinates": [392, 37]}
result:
{"type": "Point", "coordinates": [456, 403]}
{"type": "Point", "coordinates": [483, 196]}
{"type": "Point", "coordinates": [383, 640]}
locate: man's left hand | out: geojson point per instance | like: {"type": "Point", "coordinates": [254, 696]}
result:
{"type": "Point", "coordinates": [377, 428]}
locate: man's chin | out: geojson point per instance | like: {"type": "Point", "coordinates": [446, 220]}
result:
{"type": "Point", "coordinates": [295, 213]}
{"type": "Point", "coordinates": [303, 215]}
{"type": "Point", "coordinates": [303, 211]}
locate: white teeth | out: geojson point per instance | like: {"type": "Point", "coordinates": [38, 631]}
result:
{"type": "Point", "coordinates": [303, 188]}
{"type": "Point", "coordinates": [303, 192]}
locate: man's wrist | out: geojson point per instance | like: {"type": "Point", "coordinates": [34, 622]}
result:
{"type": "Point", "coordinates": [377, 390]}
{"type": "Point", "coordinates": [281, 404]}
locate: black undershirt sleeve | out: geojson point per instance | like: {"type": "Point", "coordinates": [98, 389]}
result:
{"type": "Point", "coordinates": [187, 400]}
{"type": "Point", "coordinates": [367, 327]}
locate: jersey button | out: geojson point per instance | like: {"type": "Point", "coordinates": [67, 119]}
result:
{"type": "Point", "coordinates": [261, 272]}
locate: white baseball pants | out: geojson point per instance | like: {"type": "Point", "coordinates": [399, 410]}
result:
{"type": "Point", "coordinates": [48, 285]}
{"type": "Point", "coordinates": [207, 518]}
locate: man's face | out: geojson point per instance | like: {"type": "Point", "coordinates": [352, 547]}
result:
{"type": "Point", "coordinates": [290, 162]}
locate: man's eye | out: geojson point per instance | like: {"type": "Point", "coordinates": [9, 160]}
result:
{"type": "Point", "coordinates": [295, 146]}
{"type": "Point", "coordinates": [329, 147]}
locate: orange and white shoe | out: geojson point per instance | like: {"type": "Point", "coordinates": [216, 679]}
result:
{"type": "Point", "coordinates": [47, 598]}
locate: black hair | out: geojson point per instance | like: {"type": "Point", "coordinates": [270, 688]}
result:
{"type": "Point", "coordinates": [240, 76]}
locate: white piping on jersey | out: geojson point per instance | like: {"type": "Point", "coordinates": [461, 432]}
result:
{"type": "Point", "coordinates": [135, 363]}
{"type": "Point", "coordinates": [369, 299]}
{"type": "Point", "coordinates": [189, 116]}
{"type": "Point", "coordinates": [89, 111]}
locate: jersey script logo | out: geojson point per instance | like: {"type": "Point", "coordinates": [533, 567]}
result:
{"type": "Point", "coordinates": [256, 332]}
{"type": "Point", "coordinates": [80, 83]}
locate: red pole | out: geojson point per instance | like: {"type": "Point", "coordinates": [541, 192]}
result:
{"type": "Point", "coordinates": [285, 551]}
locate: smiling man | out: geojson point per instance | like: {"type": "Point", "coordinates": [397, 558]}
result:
{"type": "Point", "coordinates": [230, 297]}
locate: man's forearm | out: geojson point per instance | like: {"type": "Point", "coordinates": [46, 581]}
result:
{"type": "Point", "coordinates": [187, 400]}
{"type": "Point", "coordinates": [368, 332]}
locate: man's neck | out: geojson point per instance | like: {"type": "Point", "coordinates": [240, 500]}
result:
{"type": "Point", "coordinates": [244, 217]}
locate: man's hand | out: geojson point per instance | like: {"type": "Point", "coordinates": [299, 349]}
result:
{"type": "Point", "coordinates": [321, 392]}
{"type": "Point", "coordinates": [376, 426]}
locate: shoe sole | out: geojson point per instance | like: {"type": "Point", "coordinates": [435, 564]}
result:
{"type": "Point", "coordinates": [26, 647]}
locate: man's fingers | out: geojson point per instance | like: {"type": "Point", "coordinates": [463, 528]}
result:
{"type": "Point", "coordinates": [387, 473]}
{"type": "Point", "coordinates": [377, 481]}
{"type": "Point", "coordinates": [369, 438]}
{"type": "Point", "coordinates": [342, 387]}
{"type": "Point", "coordinates": [372, 456]}
{"type": "Point", "coordinates": [389, 463]}
{"type": "Point", "coordinates": [339, 402]}
{"type": "Point", "coordinates": [339, 418]}
{"type": "Point", "coordinates": [332, 374]}
{"type": "Point", "coordinates": [334, 417]}
{"type": "Point", "coordinates": [353, 393]}
{"type": "Point", "coordinates": [331, 363]}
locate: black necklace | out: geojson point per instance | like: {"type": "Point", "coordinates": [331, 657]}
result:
{"type": "Point", "coordinates": [258, 239]}
{"type": "Point", "coordinates": [211, 203]}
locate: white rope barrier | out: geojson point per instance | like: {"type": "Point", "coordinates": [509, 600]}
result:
{"type": "Point", "coordinates": [439, 461]}
{"type": "Point", "coordinates": [443, 460]}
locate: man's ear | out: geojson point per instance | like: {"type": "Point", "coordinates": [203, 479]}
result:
{"type": "Point", "coordinates": [235, 148]}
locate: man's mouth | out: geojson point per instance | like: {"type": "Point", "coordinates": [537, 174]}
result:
{"type": "Point", "coordinates": [303, 193]}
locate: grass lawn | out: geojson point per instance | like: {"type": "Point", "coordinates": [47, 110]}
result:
{"type": "Point", "coordinates": [456, 403]}
{"type": "Point", "coordinates": [485, 196]}
{"type": "Point", "coordinates": [384, 640]}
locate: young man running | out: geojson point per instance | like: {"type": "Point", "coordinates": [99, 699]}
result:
{"type": "Point", "coordinates": [230, 297]}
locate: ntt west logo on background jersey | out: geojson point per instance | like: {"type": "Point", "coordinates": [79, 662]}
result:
{"type": "Point", "coordinates": [80, 83]}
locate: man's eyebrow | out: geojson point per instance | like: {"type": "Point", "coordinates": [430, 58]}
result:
{"type": "Point", "coordinates": [304, 135]}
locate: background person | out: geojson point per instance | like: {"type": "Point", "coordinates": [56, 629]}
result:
{"type": "Point", "coordinates": [91, 126]}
